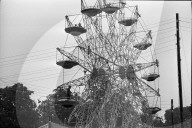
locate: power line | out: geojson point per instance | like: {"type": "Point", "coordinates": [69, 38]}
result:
{"type": "Point", "coordinates": [35, 72]}
{"type": "Point", "coordinates": [35, 59]}
{"type": "Point", "coordinates": [189, 18]}
{"type": "Point", "coordinates": [159, 25]}
{"type": "Point", "coordinates": [185, 30]}
{"type": "Point", "coordinates": [32, 72]}
{"type": "Point", "coordinates": [185, 65]}
{"type": "Point", "coordinates": [25, 53]}
{"type": "Point", "coordinates": [159, 32]}
{"type": "Point", "coordinates": [32, 86]}
{"type": "Point", "coordinates": [185, 27]}
{"type": "Point", "coordinates": [31, 61]}
{"type": "Point", "coordinates": [34, 52]}
{"type": "Point", "coordinates": [165, 37]}
{"type": "Point", "coordinates": [165, 42]}
{"type": "Point", "coordinates": [157, 53]}
{"type": "Point", "coordinates": [45, 75]}
{"type": "Point", "coordinates": [185, 21]}
{"type": "Point", "coordinates": [26, 57]}
{"type": "Point", "coordinates": [165, 46]}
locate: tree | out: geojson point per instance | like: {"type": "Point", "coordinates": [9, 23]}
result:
{"type": "Point", "coordinates": [157, 122]}
{"type": "Point", "coordinates": [49, 108]}
{"type": "Point", "coordinates": [46, 110]}
{"type": "Point", "coordinates": [62, 112]}
{"type": "Point", "coordinates": [17, 109]}
{"type": "Point", "coordinates": [176, 115]}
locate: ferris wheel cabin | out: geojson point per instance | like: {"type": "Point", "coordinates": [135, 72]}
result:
{"type": "Point", "coordinates": [128, 22]}
{"type": "Point", "coordinates": [109, 9]}
{"type": "Point", "coordinates": [67, 64]}
{"type": "Point", "coordinates": [142, 46]}
{"type": "Point", "coordinates": [75, 30]}
{"type": "Point", "coordinates": [67, 103]}
{"type": "Point", "coordinates": [154, 110]}
{"type": "Point", "coordinates": [91, 11]}
{"type": "Point", "coordinates": [150, 77]}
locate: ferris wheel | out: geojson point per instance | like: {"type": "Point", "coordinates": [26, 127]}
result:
{"type": "Point", "coordinates": [117, 87]}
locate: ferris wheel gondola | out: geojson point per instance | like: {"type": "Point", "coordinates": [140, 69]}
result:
{"type": "Point", "coordinates": [145, 43]}
{"type": "Point", "coordinates": [88, 10]}
{"type": "Point", "coordinates": [154, 110]}
{"type": "Point", "coordinates": [150, 77]}
{"type": "Point", "coordinates": [142, 46]}
{"type": "Point", "coordinates": [67, 64]}
{"type": "Point", "coordinates": [75, 30]}
{"type": "Point", "coordinates": [128, 22]}
{"type": "Point", "coordinates": [91, 11]}
{"type": "Point", "coordinates": [69, 101]}
{"type": "Point", "coordinates": [110, 8]}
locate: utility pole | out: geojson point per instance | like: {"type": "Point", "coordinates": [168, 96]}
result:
{"type": "Point", "coordinates": [179, 70]}
{"type": "Point", "coordinates": [191, 69]}
{"type": "Point", "coordinates": [172, 113]}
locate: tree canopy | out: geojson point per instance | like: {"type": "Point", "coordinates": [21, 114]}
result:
{"type": "Point", "coordinates": [50, 110]}
{"type": "Point", "coordinates": [17, 109]}
{"type": "Point", "coordinates": [158, 122]}
{"type": "Point", "coordinates": [176, 115]}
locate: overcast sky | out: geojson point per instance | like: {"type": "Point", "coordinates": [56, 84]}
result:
{"type": "Point", "coordinates": [32, 29]}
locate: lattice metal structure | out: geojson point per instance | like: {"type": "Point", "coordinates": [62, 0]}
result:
{"type": "Point", "coordinates": [116, 87]}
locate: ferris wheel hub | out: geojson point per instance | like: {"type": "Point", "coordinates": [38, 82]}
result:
{"type": "Point", "coordinates": [130, 73]}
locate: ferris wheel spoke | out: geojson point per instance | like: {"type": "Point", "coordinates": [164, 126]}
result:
{"type": "Point", "coordinates": [101, 36]}
{"type": "Point", "coordinates": [78, 39]}
{"type": "Point", "coordinates": [76, 82]}
{"type": "Point", "coordinates": [87, 66]}
{"type": "Point", "coordinates": [141, 66]}
{"type": "Point", "coordinates": [100, 57]}
{"type": "Point", "coordinates": [151, 90]}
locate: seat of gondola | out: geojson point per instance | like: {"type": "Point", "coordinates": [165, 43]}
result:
{"type": "Point", "coordinates": [67, 64]}
{"type": "Point", "coordinates": [128, 22]}
{"type": "Point", "coordinates": [150, 77]}
{"type": "Point", "coordinates": [91, 11]}
{"type": "Point", "coordinates": [75, 30]}
{"type": "Point", "coordinates": [67, 103]}
{"type": "Point", "coordinates": [109, 9]}
{"type": "Point", "coordinates": [154, 110]}
{"type": "Point", "coordinates": [142, 46]}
